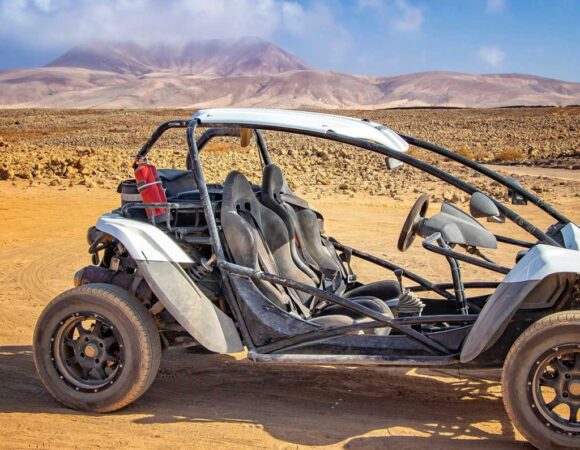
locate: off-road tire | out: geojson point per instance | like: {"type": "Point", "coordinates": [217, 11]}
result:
{"type": "Point", "coordinates": [136, 326]}
{"type": "Point", "coordinates": [549, 332]}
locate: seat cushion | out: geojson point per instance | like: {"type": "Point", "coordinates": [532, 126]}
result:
{"type": "Point", "coordinates": [176, 181]}
{"type": "Point", "coordinates": [370, 302]}
{"type": "Point", "coordinates": [332, 320]}
{"type": "Point", "coordinates": [384, 290]}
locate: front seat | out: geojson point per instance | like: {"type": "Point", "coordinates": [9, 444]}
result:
{"type": "Point", "coordinates": [257, 238]}
{"type": "Point", "coordinates": [308, 245]}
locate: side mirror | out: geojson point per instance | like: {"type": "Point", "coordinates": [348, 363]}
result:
{"type": "Point", "coordinates": [245, 136]}
{"type": "Point", "coordinates": [392, 163]}
{"type": "Point", "coordinates": [481, 205]}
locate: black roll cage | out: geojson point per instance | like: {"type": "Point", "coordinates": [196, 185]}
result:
{"type": "Point", "coordinates": [403, 325]}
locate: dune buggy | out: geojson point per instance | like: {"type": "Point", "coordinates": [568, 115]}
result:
{"type": "Point", "coordinates": [239, 265]}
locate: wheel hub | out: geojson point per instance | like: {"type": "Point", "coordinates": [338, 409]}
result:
{"type": "Point", "coordinates": [554, 389]}
{"type": "Point", "coordinates": [87, 352]}
{"type": "Point", "coordinates": [91, 350]}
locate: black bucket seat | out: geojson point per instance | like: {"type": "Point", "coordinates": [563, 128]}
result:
{"type": "Point", "coordinates": [308, 247]}
{"type": "Point", "coordinates": [257, 238]}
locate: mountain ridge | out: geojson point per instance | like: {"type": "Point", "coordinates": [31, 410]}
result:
{"type": "Point", "coordinates": [220, 57]}
{"type": "Point", "coordinates": [252, 72]}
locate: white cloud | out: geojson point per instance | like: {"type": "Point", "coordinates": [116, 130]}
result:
{"type": "Point", "coordinates": [495, 6]}
{"type": "Point", "coordinates": [402, 15]}
{"type": "Point", "coordinates": [59, 23]}
{"type": "Point", "coordinates": [491, 55]}
{"type": "Point", "coordinates": [412, 17]}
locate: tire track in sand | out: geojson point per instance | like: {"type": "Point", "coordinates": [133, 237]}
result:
{"type": "Point", "coordinates": [35, 277]}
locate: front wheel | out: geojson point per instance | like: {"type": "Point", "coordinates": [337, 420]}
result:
{"type": "Point", "coordinates": [541, 382]}
{"type": "Point", "coordinates": [96, 348]}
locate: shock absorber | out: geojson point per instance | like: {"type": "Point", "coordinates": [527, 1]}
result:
{"type": "Point", "coordinates": [202, 268]}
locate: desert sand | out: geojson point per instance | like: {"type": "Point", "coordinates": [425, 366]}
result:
{"type": "Point", "coordinates": [203, 400]}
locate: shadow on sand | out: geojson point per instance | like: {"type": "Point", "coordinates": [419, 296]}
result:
{"type": "Point", "coordinates": [300, 405]}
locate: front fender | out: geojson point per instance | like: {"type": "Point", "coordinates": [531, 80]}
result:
{"type": "Point", "coordinates": [526, 281]}
{"type": "Point", "coordinates": [143, 241]}
{"type": "Point", "coordinates": [160, 261]}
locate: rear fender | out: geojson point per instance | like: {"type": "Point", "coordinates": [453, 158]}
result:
{"type": "Point", "coordinates": [535, 281]}
{"type": "Point", "coordinates": [161, 262]}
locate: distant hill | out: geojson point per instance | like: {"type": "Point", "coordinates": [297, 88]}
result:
{"type": "Point", "coordinates": [217, 57]}
{"type": "Point", "coordinates": [252, 72]}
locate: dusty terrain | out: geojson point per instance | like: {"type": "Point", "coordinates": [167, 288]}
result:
{"type": "Point", "coordinates": [201, 400]}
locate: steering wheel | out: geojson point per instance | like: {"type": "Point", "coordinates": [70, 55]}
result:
{"type": "Point", "coordinates": [411, 224]}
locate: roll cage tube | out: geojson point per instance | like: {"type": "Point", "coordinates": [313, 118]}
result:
{"type": "Point", "coordinates": [405, 158]}
{"type": "Point", "coordinates": [216, 243]}
{"type": "Point", "coordinates": [429, 344]}
{"type": "Point", "coordinates": [207, 136]}
{"type": "Point", "coordinates": [223, 265]}
{"type": "Point", "coordinates": [516, 187]}
{"type": "Point", "coordinates": [392, 267]}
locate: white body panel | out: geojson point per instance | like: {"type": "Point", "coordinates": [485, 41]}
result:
{"type": "Point", "coordinates": [543, 260]}
{"type": "Point", "coordinates": [304, 121]}
{"type": "Point", "coordinates": [571, 235]}
{"type": "Point", "coordinates": [161, 261]}
{"type": "Point", "coordinates": [143, 241]}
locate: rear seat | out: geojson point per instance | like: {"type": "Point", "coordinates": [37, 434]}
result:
{"type": "Point", "coordinates": [307, 244]}
{"type": "Point", "coordinates": [257, 238]}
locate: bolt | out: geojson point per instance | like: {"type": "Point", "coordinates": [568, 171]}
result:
{"type": "Point", "coordinates": [76, 388]}
{"type": "Point", "coordinates": [567, 376]}
{"type": "Point", "coordinates": [96, 390]}
{"type": "Point", "coordinates": [565, 394]}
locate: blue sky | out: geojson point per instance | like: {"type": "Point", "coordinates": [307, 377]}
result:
{"type": "Point", "coordinates": [375, 37]}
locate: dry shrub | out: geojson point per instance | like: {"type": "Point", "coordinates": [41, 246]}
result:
{"type": "Point", "coordinates": [510, 154]}
{"type": "Point", "coordinates": [226, 147]}
{"type": "Point", "coordinates": [465, 152]}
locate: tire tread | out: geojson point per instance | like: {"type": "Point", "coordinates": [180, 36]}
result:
{"type": "Point", "coordinates": [146, 330]}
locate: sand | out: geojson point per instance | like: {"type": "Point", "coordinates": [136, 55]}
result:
{"type": "Point", "coordinates": [204, 400]}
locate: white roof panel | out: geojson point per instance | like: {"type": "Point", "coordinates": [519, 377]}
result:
{"type": "Point", "coordinates": [305, 121]}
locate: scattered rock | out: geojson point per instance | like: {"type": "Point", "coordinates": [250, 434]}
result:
{"type": "Point", "coordinates": [6, 173]}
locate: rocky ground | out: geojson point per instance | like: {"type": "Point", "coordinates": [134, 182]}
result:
{"type": "Point", "coordinates": [95, 147]}
{"type": "Point", "coordinates": [59, 170]}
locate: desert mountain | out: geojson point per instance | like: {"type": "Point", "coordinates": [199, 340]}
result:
{"type": "Point", "coordinates": [217, 57]}
{"type": "Point", "coordinates": [251, 72]}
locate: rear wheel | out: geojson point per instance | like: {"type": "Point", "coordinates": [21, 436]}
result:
{"type": "Point", "coordinates": [96, 348]}
{"type": "Point", "coordinates": [541, 382]}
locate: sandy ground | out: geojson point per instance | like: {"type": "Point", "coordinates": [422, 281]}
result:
{"type": "Point", "coordinates": [200, 400]}
{"type": "Point", "coordinates": [558, 174]}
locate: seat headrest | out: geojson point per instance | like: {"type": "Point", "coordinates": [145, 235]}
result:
{"type": "Point", "coordinates": [237, 193]}
{"type": "Point", "coordinates": [273, 183]}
